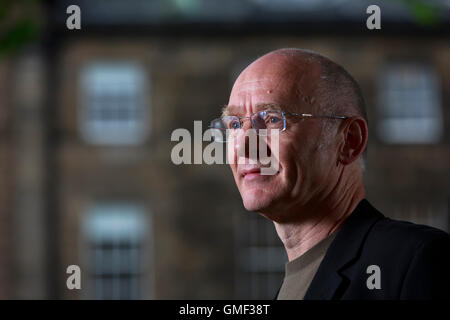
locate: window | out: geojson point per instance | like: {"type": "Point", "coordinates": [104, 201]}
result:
{"type": "Point", "coordinates": [116, 235]}
{"type": "Point", "coordinates": [260, 258]}
{"type": "Point", "coordinates": [409, 104]}
{"type": "Point", "coordinates": [114, 106]}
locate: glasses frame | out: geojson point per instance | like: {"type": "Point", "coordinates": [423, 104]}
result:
{"type": "Point", "coordinates": [283, 114]}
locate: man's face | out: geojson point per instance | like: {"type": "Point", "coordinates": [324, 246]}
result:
{"type": "Point", "coordinates": [304, 162]}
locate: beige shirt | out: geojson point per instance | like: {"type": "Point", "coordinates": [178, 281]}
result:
{"type": "Point", "coordinates": [300, 272]}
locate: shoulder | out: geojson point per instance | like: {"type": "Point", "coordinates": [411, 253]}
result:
{"type": "Point", "coordinates": [413, 256]}
{"type": "Point", "coordinates": [396, 233]}
{"type": "Point", "coordinates": [413, 259]}
{"type": "Point", "coordinates": [398, 245]}
{"type": "Point", "coordinates": [377, 235]}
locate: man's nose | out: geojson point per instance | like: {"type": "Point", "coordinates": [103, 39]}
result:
{"type": "Point", "coordinates": [248, 142]}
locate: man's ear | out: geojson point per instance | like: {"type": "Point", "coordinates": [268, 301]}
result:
{"type": "Point", "coordinates": [355, 140]}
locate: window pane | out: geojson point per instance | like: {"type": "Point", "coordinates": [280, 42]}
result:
{"type": "Point", "coordinates": [113, 103]}
{"type": "Point", "coordinates": [409, 104]}
{"type": "Point", "coordinates": [116, 233]}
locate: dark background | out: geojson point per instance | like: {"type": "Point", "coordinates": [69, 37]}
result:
{"type": "Point", "coordinates": [86, 118]}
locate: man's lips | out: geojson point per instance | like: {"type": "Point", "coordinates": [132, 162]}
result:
{"type": "Point", "coordinates": [250, 173]}
{"type": "Point", "coordinates": [246, 169]}
{"type": "Point", "coordinates": [253, 171]}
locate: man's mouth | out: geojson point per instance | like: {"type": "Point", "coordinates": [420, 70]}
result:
{"type": "Point", "coordinates": [250, 173]}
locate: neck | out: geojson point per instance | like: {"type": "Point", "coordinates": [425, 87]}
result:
{"type": "Point", "coordinates": [319, 220]}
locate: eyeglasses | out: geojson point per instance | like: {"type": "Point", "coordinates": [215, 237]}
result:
{"type": "Point", "coordinates": [262, 121]}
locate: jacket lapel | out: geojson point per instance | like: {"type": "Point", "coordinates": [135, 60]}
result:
{"type": "Point", "coordinates": [329, 279]}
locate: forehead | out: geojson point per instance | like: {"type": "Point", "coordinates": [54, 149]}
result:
{"type": "Point", "coordinates": [273, 82]}
{"type": "Point", "coordinates": [252, 95]}
{"type": "Point", "coordinates": [239, 110]}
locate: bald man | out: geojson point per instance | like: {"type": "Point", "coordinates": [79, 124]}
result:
{"type": "Point", "coordinates": [338, 245]}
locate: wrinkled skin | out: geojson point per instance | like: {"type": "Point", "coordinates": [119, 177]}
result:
{"type": "Point", "coordinates": [305, 169]}
{"type": "Point", "coordinates": [319, 181]}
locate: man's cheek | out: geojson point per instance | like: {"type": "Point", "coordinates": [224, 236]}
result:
{"type": "Point", "coordinates": [235, 175]}
{"type": "Point", "coordinates": [232, 151]}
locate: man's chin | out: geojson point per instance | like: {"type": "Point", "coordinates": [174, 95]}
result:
{"type": "Point", "coordinates": [255, 202]}
{"type": "Point", "coordinates": [252, 206]}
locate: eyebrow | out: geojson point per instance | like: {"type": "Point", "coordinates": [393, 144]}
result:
{"type": "Point", "coordinates": [231, 110]}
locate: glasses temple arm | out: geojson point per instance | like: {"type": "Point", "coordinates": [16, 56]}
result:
{"type": "Point", "coordinates": [308, 115]}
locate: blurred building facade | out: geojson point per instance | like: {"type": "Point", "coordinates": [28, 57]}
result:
{"type": "Point", "coordinates": [85, 129]}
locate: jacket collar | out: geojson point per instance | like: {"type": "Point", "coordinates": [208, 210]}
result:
{"type": "Point", "coordinates": [343, 251]}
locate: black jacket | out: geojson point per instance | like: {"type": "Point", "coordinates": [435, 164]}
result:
{"type": "Point", "coordinates": [413, 260]}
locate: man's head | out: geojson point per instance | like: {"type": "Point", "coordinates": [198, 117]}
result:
{"type": "Point", "coordinates": [317, 156]}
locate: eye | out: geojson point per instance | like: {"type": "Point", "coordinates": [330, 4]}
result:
{"type": "Point", "coordinates": [272, 119]}
{"type": "Point", "coordinates": [234, 124]}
